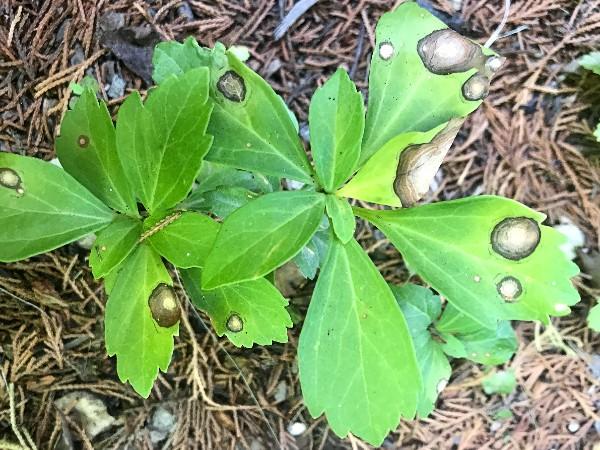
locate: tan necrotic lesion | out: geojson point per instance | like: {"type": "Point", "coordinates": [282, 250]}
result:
{"type": "Point", "coordinates": [418, 164]}
{"type": "Point", "coordinates": [232, 86]}
{"type": "Point", "coordinates": [164, 307]}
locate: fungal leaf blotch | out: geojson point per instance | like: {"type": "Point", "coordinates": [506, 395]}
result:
{"type": "Point", "coordinates": [235, 323]}
{"type": "Point", "coordinates": [448, 244]}
{"type": "Point", "coordinates": [164, 307]}
{"type": "Point", "coordinates": [476, 87]}
{"type": "Point", "coordinates": [83, 141]}
{"type": "Point", "coordinates": [9, 178]}
{"type": "Point", "coordinates": [445, 51]}
{"type": "Point", "coordinates": [516, 238]}
{"type": "Point", "coordinates": [232, 86]}
{"type": "Point", "coordinates": [510, 288]}
{"type": "Point", "coordinates": [386, 50]}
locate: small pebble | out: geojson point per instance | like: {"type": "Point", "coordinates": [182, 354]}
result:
{"type": "Point", "coordinates": [296, 428]}
{"type": "Point", "coordinates": [573, 426]}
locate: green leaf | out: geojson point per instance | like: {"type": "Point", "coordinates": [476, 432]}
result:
{"type": "Point", "coordinates": [114, 244]}
{"type": "Point", "coordinates": [403, 94]}
{"type": "Point", "coordinates": [597, 132]}
{"type": "Point", "coordinates": [337, 122]}
{"type": "Point", "coordinates": [313, 254]}
{"type": "Point", "coordinates": [593, 318]}
{"type": "Point", "coordinates": [87, 150]}
{"type": "Point", "coordinates": [356, 357]}
{"type": "Point", "coordinates": [142, 346]}
{"type": "Point", "coordinates": [458, 247]}
{"type": "Point", "coordinates": [174, 58]}
{"type": "Point", "coordinates": [375, 180]}
{"type": "Point", "coordinates": [262, 235]}
{"type": "Point", "coordinates": [251, 124]}
{"type": "Point", "coordinates": [221, 201]}
{"type": "Point", "coordinates": [466, 338]}
{"type": "Point", "coordinates": [342, 217]}
{"type": "Point", "coordinates": [187, 241]}
{"type": "Point", "coordinates": [501, 382]}
{"type": "Point", "coordinates": [591, 61]}
{"type": "Point", "coordinates": [162, 142]}
{"type": "Point", "coordinates": [251, 312]}
{"type": "Point", "coordinates": [421, 308]}
{"type": "Point", "coordinates": [42, 208]}
{"type": "Point", "coordinates": [214, 175]}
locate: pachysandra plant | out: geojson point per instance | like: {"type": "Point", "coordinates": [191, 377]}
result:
{"type": "Point", "coordinates": [193, 176]}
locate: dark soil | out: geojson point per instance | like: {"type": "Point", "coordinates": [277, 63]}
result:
{"type": "Point", "coordinates": [531, 140]}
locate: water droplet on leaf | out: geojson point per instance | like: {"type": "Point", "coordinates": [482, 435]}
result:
{"type": "Point", "coordinates": [476, 87]}
{"type": "Point", "coordinates": [235, 324]}
{"type": "Point", "coordinates": [445, 51]}
{"type": "Point", "coordinates": [476, 278]}
{"type": "Point", "coordinates": [164, 307]}
{"type": "Point", "coordinates": [386, 50]}
{"type": "Point", "coordinates": [516, 238]}
{"type": "Point", "coordinates": [509, 288]}
{"type": "Point", "coordinates": [232, 86]}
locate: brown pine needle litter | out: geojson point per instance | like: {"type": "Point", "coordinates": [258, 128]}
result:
{"type": "Point", "coordinates": [530, 141]}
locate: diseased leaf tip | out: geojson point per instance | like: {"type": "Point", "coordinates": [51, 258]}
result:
{"type": "Point", "coordinates": [232, 86]}
{"type": "Point", "coordinates": [516, 238]}
{"type": "Point", "coordinates": [234, 323]}
{"type": "Point", "coordinates": [510, 288]}
{"type": "Point", "coordinates": [164, 307]}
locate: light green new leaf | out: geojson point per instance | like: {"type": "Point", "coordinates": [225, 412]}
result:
{"type": "Point", "coordinates": [501, 382]}
{"type": "Point", "coordinates": [375, 180]}
{"type": "Point", "coordinates": [113, 244]}
{"type": "Point", "coordinates": [466, 338]}
{"type": "Point", "coordinates": [42, 207]}
{"type": "Point", "coordinates": [356, 357]}
{"type": "Point", "coordinates": [252, 126]}
{"type": "Point", "coordinates": [457, 247]}
{"type": "Point", "coordinates": [597, 132]}
{"type": "Point", "coordinates": [342, 217]}
{"type": "Point", "coordinates": [593, 318]}
{"type": "Point", "coordinates": [591, 61]}
{"type": "Point", "coordinates": [421, 308]}
{"type": "Point", "coordinates": [248, 313]}
{"type": "Point", "coordinates": [87, 149]}
{"type": "Point", "coordinates": [187, 241]}
{"type": "Point", "coordinates": [262, 235]}
{"type": "Point", "coordinates": [162, 142]}
{"type": "Point", "coordinates": [337, 121]}
{"type": "Point", "coordinates": [403, 94]}
{"type": "Point", "coordinates": [142, 346]}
